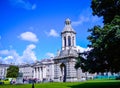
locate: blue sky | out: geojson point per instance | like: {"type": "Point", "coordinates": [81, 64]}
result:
{"type": "Point", "coordinates": [30, 29]}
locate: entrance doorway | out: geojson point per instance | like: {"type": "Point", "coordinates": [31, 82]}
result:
{"type": "Point", "coordinates": [63, 72]}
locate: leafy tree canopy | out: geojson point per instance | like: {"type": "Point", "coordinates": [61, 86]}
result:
{"type": "Point", "coordinates": [12, 71]}
{"type": "Point", "coordinates": [106, 45]}
{"type": "Point", "coordinates": [104, 41]}
{"type": "Point", "coordinates": [106, 8]}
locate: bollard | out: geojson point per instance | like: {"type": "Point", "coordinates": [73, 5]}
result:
{"type": "Point", "coordinates": [33, 85]}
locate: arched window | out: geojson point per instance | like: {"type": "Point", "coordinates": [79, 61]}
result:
{"type": "Point", "coordinates": [65, 41]}
{"type": "Point", "coordinates": [69, 41]}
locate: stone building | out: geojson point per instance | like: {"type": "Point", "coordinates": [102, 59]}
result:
{"type": "Point", "coordinates": [44, 70]}
{"type": "Point", "coordinates": [3, 70]}
{"type": "Point", "coordinates": [26, 70]}
{"type": "Point", "coordinates": [65, 61]}
{"type": "Point", "coordinates": [59, 69]}
{"type": "Point", "coordinates": [41, 70]}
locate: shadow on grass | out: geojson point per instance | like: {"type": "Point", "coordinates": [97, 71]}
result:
{"type": "Point", "coordinates": [97, 85]}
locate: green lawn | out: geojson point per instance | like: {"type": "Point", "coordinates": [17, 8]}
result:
{"type": "Point", "coordinates": [87, 84]}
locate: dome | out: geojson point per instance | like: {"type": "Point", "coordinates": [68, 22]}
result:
{"type": "Point", "coordinates": [68, 27]}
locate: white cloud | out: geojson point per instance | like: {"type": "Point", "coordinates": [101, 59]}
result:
{"type": "Point", "coordinates": [31, 46]}
{"type": "Point", "coordinates": [81, 20]}
{"type": "Point", "coordinates": [50, 55]}
{"type": "Point", "coordinates": [81, 49]}
{"type": "Point", "coordinates": [11, 56]}
{"type": "Point", "coordinates": [9, 59]}
{"type": "Point", "coordinates": [33, 6]}
{"type": "Point", "coordinates": [29, 36]}
{"type": "Point", "coordinates": [1, 60]}
{"type": "Point", "coordinates": [23, 4]}
{"type": "Point", "coordinates": [86, 16]}
{"type": "Point", "coordinates": [29, 54]}
{"type": "Point", "coordinates": [4, 52]}
{"type": "Point", "coordinates": [52, 33]}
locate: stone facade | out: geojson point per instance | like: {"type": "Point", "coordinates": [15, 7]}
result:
{"type": "Point", "coordinates": [44, 70]}
{"type": "Point", "coordinates": [26, 70]}
{"type": "Point", "coordinates": [3, 70]}
{"type": "Point", "coordinates": [64, 62]}
{"type": "Point", "coordinates": [41, 70]}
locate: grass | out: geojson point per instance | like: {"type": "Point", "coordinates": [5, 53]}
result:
{"type": "Point", "coordinates": [87, 84]}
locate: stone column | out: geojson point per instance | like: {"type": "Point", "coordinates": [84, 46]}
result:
{"type": "Point", "coordinates": [37, 71]}
{"type": "Point", "coordinates": [34, 73]}
{"type": "Point", "coordinates": [74, 40]}
{"type": "Point", "coordinates": [63, 43]}
{"type": "Point", "coordinates": [41, 73]}
{"type": "Point", "coordinates": [71, 40]}
{"type": "Point", "coordinates": [67, 42]}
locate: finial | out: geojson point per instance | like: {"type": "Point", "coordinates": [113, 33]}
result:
{"type": "Point", "coordinates": [67, 21]}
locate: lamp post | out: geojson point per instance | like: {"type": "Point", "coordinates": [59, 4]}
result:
{"type": "Point", "coordinates": [33, 85]}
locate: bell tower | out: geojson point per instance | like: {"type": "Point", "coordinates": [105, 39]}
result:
{"type": "Point", "coordinates": [68, 36]}
{"type": "Point", "coordinates": [66, 58]}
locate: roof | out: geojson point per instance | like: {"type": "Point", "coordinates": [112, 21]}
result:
{"type": "Point", "coordinates": [67, 53]}
{"type": "Point", "coordinates": [25, 65]}
{"type": "Point", "coordinates": [43, 62]}
{"type": "Point", "coordinates": [68, 27]}
{"type": "Point", "coordinates": [4, 65]}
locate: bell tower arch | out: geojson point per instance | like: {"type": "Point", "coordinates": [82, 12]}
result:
{"type": "Point", "coordinates": [68, 36]}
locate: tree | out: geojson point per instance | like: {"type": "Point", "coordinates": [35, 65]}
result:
{"type": "Point", "coordinates": [12, 71]}
{"type": "Point", "coordinates": [80, 62]}
{"type": "Point", "coordinates": [104, 41]}
{"type": "Point", "coordinates": [106, 45]}
{"type": "Point", "coordinates": [106, 8]}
